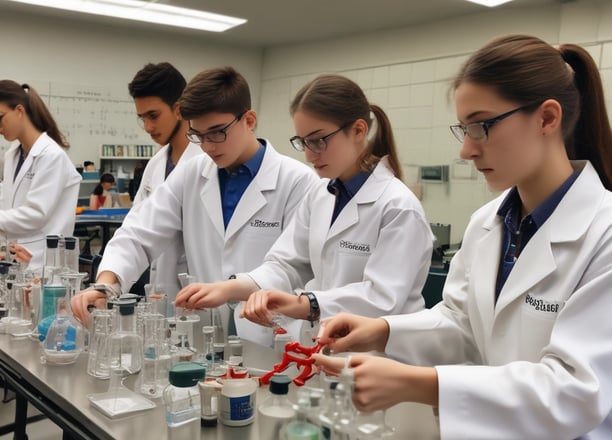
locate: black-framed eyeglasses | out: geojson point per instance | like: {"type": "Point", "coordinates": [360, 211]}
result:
{"type": "Point", "coordinates": [214, 136]}
{"type": "Point", "coordinates": [315, 145]}
{"type": "Point", "coordinates": [479, 131]}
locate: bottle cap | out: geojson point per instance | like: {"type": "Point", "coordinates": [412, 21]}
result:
{"type": "Point", "coordinates": [70, 243]}
{"type": "Point", "coordinates": [186, 374]}
{"type": "Point", "coordinates": [52, 241]}
{"type": "Point", "coordinates": [279, 384]}
{"type": "Point", "coordinates": [126, 303]}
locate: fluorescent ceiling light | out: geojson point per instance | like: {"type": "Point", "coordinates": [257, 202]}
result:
{"type": "Point", "coordinates": [149, 12]}
{"type": "Point", "coordinates": [490, 3]}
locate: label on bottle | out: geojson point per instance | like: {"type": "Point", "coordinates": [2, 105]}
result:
{"type": "Point", "coordinates": [237, 410]}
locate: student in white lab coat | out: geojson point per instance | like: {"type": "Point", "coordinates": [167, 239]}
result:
{"type": "Point", "coordinates": [230, 204]}
{"type": "Point", "coordinates": [359, 242]}
{"type": "Point", "coordinates": [41, 185]}
{"type": "Point", "coordinates": [156, 89]}
{"type": "Point", "coordinates": [521, 340]}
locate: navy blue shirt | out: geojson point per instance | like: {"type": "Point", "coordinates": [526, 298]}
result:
{"type": "Point", "coordinates": [169, 164]}
{"type": "Point", "coordinates": [517, 232]}
{"type": "Point", "coordinates": [344, 192]}
{"type": "Point", "coordinates": [22, 157]}
{"type": "Point", "coordinates": [233, 184]}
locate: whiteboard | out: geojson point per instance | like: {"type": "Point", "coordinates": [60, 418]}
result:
{"type": "Point", "coordinates": [90, 116]}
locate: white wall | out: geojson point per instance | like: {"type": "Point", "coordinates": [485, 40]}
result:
{"type": "Point", "coordinates": [407, 72]}
{"type": "Point", "coordinates": [40, 51]}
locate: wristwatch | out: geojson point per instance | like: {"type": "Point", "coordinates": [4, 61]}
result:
{"type": "Point", "coordinates": [315, 312]}
{"type": "Point", "coordinates": [112, 291]}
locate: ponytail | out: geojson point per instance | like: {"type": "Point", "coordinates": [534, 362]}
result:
{"type": "Point", "coordinates": [14, 94]}
{"type": "Point", "coordinates": [382, 144]}
{"type": "Point", "coordinates": [525, 69]}
{"type": "Point", "coordinates": [592, 136]}
{"type": "Point", "coordinates": [41, 117]}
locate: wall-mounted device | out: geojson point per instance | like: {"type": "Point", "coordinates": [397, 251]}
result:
{"type": "Point", "coordinates": [434, 174]}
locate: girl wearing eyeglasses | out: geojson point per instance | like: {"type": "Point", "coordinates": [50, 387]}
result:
{"type": "Point", "coordinates": [520, 345]}
{"type": "Point", "coordinates": [41, 185]}
{"type": "Point", "coordinates": [359, 242]}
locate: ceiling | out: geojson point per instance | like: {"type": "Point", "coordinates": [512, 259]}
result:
{"type": "Point", "coordinates": [277, 22]}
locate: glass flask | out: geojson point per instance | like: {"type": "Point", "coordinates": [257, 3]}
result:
{"type": "Point", "coordinates": [301, 428]}
{"type": "Point", "coordinates": [157, 360]}
{"type": "Point", "coordinates": [102, 324]}
{"type": "Point", "coordinates": [52, 288]}
{"type": "Point", "coordinates": [65, 338]}
{"type": "Point", "coordinates": [126, 353]}
{"type": "Point", "coordinates": [211, 358]}
{"type": "Point", "coordinates": [4, 298]}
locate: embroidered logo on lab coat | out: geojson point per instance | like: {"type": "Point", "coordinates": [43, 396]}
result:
{"type": "Point", "coordinates": [263, 224]}
{"type": "Point", "coordinates": [354, 247]}
{"type": "Point", "coordinates": [29, 175]}
{"type": "Point", "coordinates": [543, 306]}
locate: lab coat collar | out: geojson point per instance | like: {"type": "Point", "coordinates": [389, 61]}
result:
{"type": "Point", "coordinates": [39, 146]}
{"type": "Point", "coordinates": [371, 191]}
{"type": "Point", "coordinates": [251, 201]}
{"type": "Point", "coordinates": [567, 223]}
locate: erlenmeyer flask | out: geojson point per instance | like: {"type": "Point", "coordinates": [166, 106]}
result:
{"type": "Point", "coordinates": [65, 339]}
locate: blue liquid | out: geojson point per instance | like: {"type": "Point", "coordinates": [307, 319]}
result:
{"type": "Point", "coordinates": [50, 295]}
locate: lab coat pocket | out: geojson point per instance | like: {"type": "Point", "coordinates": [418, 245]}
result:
{"type": "Point", "coordinates": [538, 317]}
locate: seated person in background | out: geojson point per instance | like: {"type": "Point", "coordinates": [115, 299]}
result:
{"type": "Point", "coordinates": [101, 197]}
{"type": "Point", "coordinates": [89, 166]}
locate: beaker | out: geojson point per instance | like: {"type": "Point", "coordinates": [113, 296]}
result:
{"type": "Point", "coordinates": [126, 352]}
{"type": "Point", "coordinates": [157, 360]}
{"type": "Point", "coordinates": [21, 309]}
{"type": "Point", "coordinates": [98, 362]}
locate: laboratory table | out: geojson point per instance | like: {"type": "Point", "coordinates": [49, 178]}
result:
{"type": "Point", "coordinates": [60, 392]}
{"type": "Point", "coordinates": [108, 225]}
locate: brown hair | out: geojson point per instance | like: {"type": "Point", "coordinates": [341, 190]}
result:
{"type": "Point", "coordinates": [14, 94]}
{"type": "Point", "coordinates": [340, 100]}
{"type": "Point", "coordinates": [526, 70]}
{"type": "Point", "coordinates": [220, 90]}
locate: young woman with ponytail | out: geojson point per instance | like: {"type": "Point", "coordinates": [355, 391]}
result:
{"type": "Point", "coordinates": [41, 185]}
{"type": "Point", "coordinates": [359, 242]}
{"type": "Point", "coordinates": [519, 348]}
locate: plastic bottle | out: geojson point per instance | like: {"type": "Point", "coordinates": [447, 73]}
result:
{"type": "Point", "coordinates": [182, 396]}
{"type": "Point", "coordinates": [237, 402]}
{"type": "Point", "coordinates": [276, 411]}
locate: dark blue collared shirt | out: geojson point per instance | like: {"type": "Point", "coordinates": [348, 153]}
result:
{"type": "Point", "coordinates": [517, 232]}
{"type": "Point", "coordinates": [20, 162]}
{"type": "Point", "coordinates": [344, 192]}
{"type": "Point", "coordinates": [169, 164]}
{"type": "Point", "coordinates": [233, 184]}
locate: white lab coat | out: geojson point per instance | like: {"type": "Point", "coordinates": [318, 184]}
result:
{"type": "Point", "coordinates": [372, 261]}
{"type": "Point", "coordinates": [172, 261]}
{"type": "Point", "coordinates": [546, 346]}
{"type": "Point", "coordinates": [190, 201]}
{"type": "Point", "coordinates": [42, 199]}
